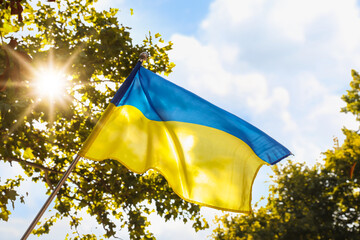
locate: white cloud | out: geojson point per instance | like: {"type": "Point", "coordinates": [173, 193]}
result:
{"type": "Point", "coordinates": [293, 18]}
{"type": "Point", "coordinates": [202, 66]}
{"type": "Point", "coordinates": [12, 231]}
{"type": "Point", "coordinates": [289, 123]}
{"type": "Point", "coordinates": [233, 12]}
{"type": "Point", "coordinates": [200, 69]}
{"type": "Point", "coordinates": [287, 36]}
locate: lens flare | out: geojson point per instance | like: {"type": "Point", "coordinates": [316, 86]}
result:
{"type": "Point", "coordinates": [50, 84]}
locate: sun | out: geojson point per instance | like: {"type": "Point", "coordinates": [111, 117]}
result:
{"type": "Point", "coordinates": [50, 84]}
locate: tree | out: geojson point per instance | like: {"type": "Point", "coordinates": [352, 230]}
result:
{"type": "Point", "coordinates": [92, 53]}
{"type": "Point", "coordinates": [321, 202]}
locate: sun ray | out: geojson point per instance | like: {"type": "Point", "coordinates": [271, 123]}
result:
{"type": "Point", "coordinates": [52, 87]}
{"type": "Point", "coordinates": [49, 83]}
{"type": "Point", "coordinates": [19, 120]}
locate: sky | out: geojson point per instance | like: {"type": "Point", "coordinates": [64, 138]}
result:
{"type": "Point", "coordinates": [280, 65]}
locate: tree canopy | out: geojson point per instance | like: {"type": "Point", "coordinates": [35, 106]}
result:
{"type": "Point", "coordinates": [319, 202]}
{"type": "Point", "coordinates": [42, 131]}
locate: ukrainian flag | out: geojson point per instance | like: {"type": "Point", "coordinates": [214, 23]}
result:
{"type": "Point", "coordinates": [208, 155]}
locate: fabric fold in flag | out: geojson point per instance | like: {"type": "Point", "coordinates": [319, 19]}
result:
{"type": "Point", "coordinates": [208, 155]}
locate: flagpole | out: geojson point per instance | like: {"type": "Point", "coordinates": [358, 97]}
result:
{"type": "Point", "coordinates": [143, 57]}
{"type": "Point", "coordinates": [51, 197]}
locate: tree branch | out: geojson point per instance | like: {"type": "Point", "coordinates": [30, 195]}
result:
{"type": "Point", "coordinates": [35, 165]}
{"type": "Point", "coordinates": [77, 184]}
{"type": "Point", "coordinates": [47, 180]}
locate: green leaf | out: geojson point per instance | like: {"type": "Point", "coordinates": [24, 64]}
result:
{"type": "Point", "coordinates": [28, 154]}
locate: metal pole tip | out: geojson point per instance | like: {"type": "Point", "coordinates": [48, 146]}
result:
{"type": "Point", "coordinates": [143, 56]}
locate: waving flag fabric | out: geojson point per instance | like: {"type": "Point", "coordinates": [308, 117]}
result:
{"type": "Point", "coordinates": [208, 155]}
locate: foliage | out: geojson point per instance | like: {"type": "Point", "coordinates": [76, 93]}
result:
{"type": "Point", "coordinates": [8, 194]}
{"type": "Point", "coordinates": [95, 53]}
{"type": "Point", "coordinates": [322, 202]}
{"type": "Point", "coordinates": [352, 98]}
